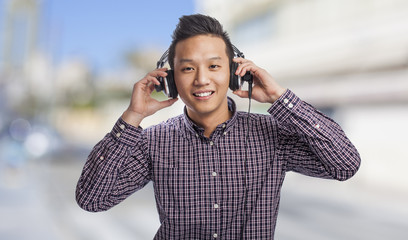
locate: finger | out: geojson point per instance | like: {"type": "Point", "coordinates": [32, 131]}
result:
{"type": "Point", "coordinates": [152, 79]}
{"type": "Point", "coordinates": [241, 93]}
{"type": "Point", "coordinates": [154, 75]}
{"type": "Point", "coordinates": [145, 85]}
{"type": "Point", "coordinates": [244, 66]}
{"type": "Point", "coordinates": [151, 87]}
{"type": "Point", "coordinates": [160, 72]}
{"type": "Point", "coordinates": [162, 69]}
{"type": "Point", "coordinates": [238, 59]}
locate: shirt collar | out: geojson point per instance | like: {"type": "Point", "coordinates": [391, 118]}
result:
{"type": "Point", "coordinates": [191, 127]}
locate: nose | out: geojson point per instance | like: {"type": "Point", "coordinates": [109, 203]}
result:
{"type": "Point", "coordinates": [201, 78]}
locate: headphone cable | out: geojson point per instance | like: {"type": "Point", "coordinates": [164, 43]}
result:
{"type": "Point", "coordinates": [244, 214]}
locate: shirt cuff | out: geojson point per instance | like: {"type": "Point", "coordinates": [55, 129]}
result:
{"type": "Point", "coordinates": [126, 133]}
{"type": "Point", "coordinates": [283, 107]}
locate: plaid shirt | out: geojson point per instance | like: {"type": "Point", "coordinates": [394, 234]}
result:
{"type": "Point", "coordinates": [223, 186]}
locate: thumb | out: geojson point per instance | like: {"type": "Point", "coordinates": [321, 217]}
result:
{"type": "Point", "coordinates": [241, 93]}
{"type": "Point", "coordinates": [167, 103]}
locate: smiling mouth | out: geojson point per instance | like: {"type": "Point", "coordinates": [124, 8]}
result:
{"type": "Point", "coordinates": [203, 94]}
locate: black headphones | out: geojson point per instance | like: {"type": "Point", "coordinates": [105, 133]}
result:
{"type": "Point", "coordinates": [168, 86]}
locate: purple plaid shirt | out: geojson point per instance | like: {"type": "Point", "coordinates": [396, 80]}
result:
{"type": "Point", "coordinates": [223, 186]}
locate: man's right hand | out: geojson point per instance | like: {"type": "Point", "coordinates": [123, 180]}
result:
{"type": "Point", "coordinates": [141, 103]}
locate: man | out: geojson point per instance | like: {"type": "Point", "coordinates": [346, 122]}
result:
{"type": "Point", "coordinates": [216, 172]}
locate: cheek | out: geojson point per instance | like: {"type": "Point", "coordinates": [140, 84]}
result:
{"type": "Point", "coordinates": [183, 85]}
{"type": "Point", "coordinates": [222, 81]}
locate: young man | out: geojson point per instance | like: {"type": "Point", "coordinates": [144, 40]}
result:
{"type": "Point", "coordinates": [216, 172]}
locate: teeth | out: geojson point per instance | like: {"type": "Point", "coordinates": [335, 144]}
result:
{"type": "Point", "coordinates": [204, 94]}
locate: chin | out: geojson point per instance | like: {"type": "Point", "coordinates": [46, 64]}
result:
{"type": "Point", "coordinates": [202, 110]}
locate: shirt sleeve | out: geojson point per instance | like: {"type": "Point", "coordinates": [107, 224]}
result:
{"type": "Point", "coordinates": [312, 143]}
{"type": "Point", "coordinates": [116, 167]}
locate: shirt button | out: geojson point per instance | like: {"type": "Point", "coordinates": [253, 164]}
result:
{"type": "Point", "coordinates": [225, 133]}
{"type": "Point", "coordinates": [211, 143]}
{"type": "Point", "coordinates": [223, 126]}
{"type": "Point", "coordinates": [215, 235]}
{"type": "Point", "coordinates": [290, 105]}
{"type": "Point", "coordinates": [102, 158]}
{"type": "Point", "coordinates": [117, 134]}
{"type": "Point", "coordinates": [196, 134]}
{"type": "Point", "coordinates": [285, 100]}
{"type": "Point", "coordinates": [122, 126]}
{"type": "Point", "coordinates": [317, 126]}
{"type": "Point", "coordinates": [214, 174]}
{"type": "Point", "coordinates": [216, 206]}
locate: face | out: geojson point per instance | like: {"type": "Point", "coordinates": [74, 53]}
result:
{"type": "Point", "coordinates": [201, 72]}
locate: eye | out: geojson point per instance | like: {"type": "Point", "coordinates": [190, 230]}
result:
{"type": "Point", "coordinates": [187, 69]}
{"type": "Point", "coordinates": [214, 66]}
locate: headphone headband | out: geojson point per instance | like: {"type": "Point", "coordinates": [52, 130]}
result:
{"type": "Point", "coordinates": [163, 59]}
{"type": "Point", "coordinates": [237, 53]}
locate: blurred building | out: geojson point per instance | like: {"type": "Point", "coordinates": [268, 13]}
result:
{"type": "Point", "coordinates": [20, 33]}
{"type": "Point", "coordinates": [348, 58]}
{"type": "Point", "coordinates": [33, 86]}
{"type": "Point", "coordinates": [25, 69]}
{"type": "Point", "coordinates": [330, 51]}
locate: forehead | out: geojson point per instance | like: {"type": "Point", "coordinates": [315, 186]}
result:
{"type": "Point", "coordinates": [206, 46]}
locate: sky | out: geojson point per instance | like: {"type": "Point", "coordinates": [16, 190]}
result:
{"type": "Point", "coordinates": [101, 31]}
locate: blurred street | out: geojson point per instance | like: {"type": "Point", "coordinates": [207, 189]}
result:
{"type": "Point", "coordinates": [40, 205]}
{"type": "Point", "coordinates": [43, 206]}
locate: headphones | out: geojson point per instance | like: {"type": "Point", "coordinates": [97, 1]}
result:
{"type": "Point", "coordinates": [168, 86]}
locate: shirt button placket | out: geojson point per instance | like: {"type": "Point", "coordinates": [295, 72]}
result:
{"type": "Point", "coordinates": [214, 175]}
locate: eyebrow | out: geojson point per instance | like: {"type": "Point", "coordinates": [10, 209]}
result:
{"type": "Point", "coordinates": [183, 60]}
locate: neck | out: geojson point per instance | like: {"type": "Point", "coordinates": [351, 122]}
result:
{"type": "Point", "coordinates": [209, 121]}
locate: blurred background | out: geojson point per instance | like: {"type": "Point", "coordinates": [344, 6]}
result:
{"type": "Point", "coordinates": [67, 69]}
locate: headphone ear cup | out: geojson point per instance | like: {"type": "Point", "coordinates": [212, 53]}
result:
{"type": "Point", "coordinates": [171, 84]}
{"type": "Point", "coordinates": [234, 81]}
{"type": "Point", "coordinates": [160, 87]}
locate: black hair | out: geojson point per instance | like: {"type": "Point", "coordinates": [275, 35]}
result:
{"type": "Point", "coordinates": [198, 24]}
